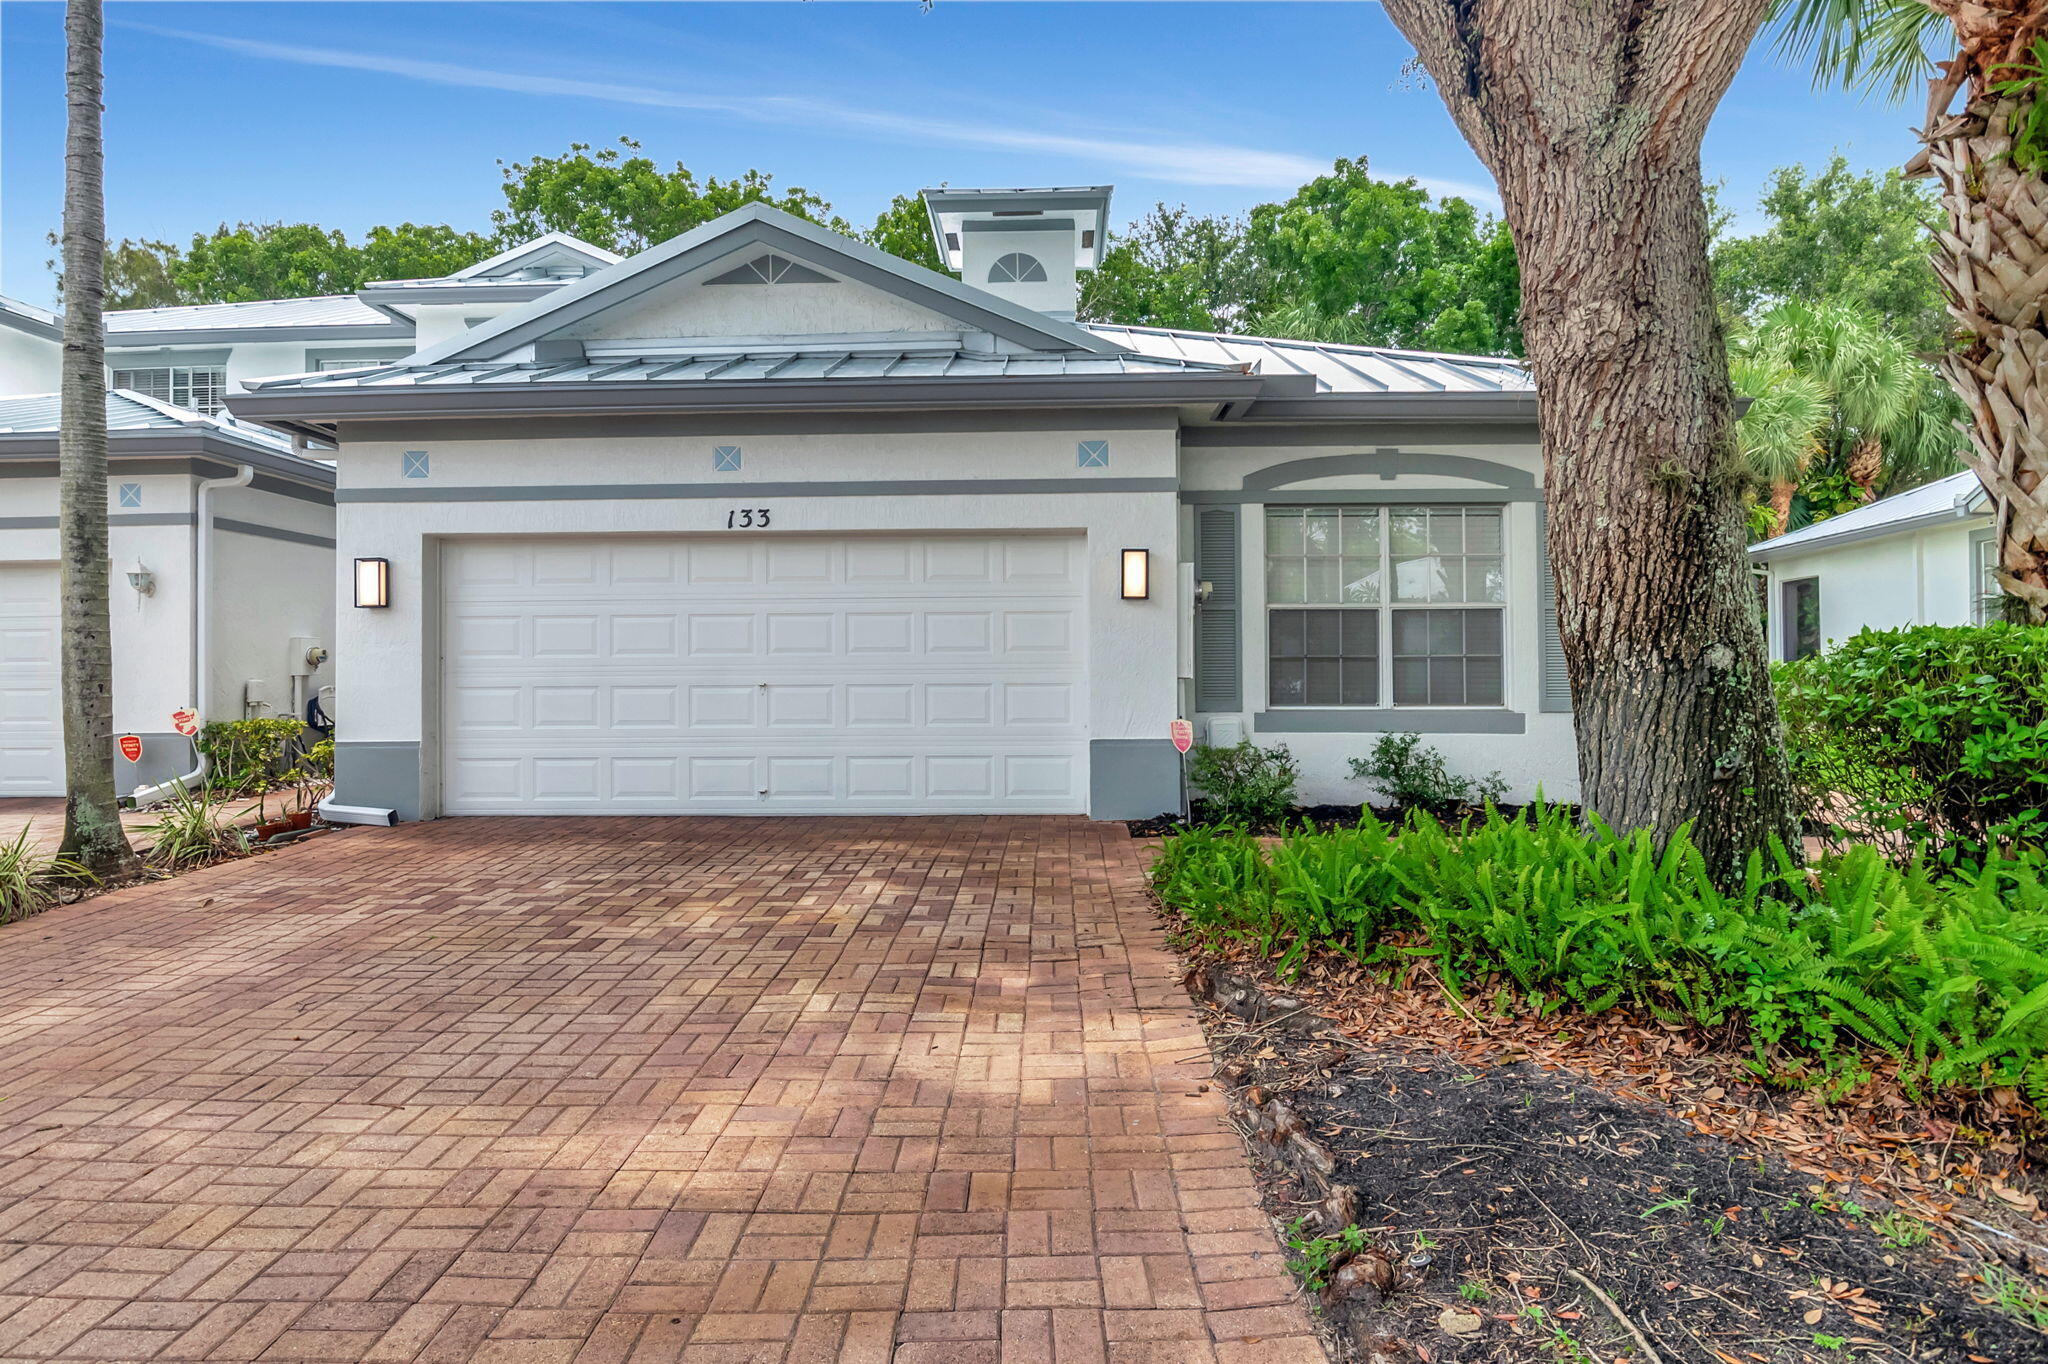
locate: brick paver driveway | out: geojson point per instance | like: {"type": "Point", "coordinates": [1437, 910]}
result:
{"type": "Point", "coordinates": [539, 1090]}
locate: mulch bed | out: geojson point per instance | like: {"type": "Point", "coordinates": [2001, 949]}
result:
{"type": "Point", "coordinates": [1577, 1173]}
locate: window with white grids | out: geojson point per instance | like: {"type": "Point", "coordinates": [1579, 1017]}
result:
{"type": "Point", "coordinates": [198, 387]}
{"type": "Point", "coordinates": [1371, 606]}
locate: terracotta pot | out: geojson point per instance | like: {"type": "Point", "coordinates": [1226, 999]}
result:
{"type": "Point", "coordinates": [272, 828]}
{"type": "Point", "coordinates": [300, 819]}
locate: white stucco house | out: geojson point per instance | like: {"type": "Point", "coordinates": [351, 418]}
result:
{"type": "Point", "coordinates": [764, 520]}
{"type": "Point", "coordinates": [1921, 557]}
{"type": "Point", "coordinates": [196, 497]}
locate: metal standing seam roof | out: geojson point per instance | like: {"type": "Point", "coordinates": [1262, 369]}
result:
{"type": "Point", "coordinates": [1943, 499]}
{"type": "Point", "coordinates": [38, 414]}
{"type": "Point", "coordinates": [1335, 368]}
{"type": "Point", "coordinates": [809, 366]}
{"type": "Point", "coordinates": [335, 310]}
{"type": "Point", "coordinates": [29, 318]}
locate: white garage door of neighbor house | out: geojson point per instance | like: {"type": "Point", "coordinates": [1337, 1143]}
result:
{"type": "Point", "coordinates": [31, 722]}
{"type": "Point", "coordinates": [765, 674]}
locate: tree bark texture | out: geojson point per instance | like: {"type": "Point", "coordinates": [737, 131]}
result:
{"type": "Point", "coordinates": [1992, 256]}
{"type": "Point", "coordinates": [92, 819]}
{"type": "Point", "coordinates": [1590, 113]}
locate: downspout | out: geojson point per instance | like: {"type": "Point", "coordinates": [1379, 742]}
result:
{"type": "Point", "coordinates": [202, 627]}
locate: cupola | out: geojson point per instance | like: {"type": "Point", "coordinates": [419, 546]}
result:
{"type": "Point", "coordinates": [1025, 245]}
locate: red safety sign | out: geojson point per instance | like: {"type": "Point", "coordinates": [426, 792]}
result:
{"type": "Point", "coordinates": [185, 721]}
{"type": "Point", "coordinates": [131, 748]}
{"type": "Point", "coordinates": [1183, 734]}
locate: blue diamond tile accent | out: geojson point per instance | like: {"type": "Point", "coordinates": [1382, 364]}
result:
{"type": "Point", "coordinates": [415, 465]}
{"type": "Point", "coordinates": [1094, 454]}
{"type": "Point", "coordinates": [725, 458]}
{"type": "Point", "coordinates": [131, 494]}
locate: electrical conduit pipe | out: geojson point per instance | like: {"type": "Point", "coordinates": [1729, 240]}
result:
{"type": "Point", "coordinates": [202, 628]}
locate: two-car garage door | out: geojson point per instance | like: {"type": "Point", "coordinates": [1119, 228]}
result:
{"type": "Point", "coordinates": [761, 674]}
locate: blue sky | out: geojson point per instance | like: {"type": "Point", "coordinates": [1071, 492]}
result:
{"type": "Point", "coordinates": [354, 114]}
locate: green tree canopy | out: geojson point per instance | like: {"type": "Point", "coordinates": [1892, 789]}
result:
{"type": "Point", "coordinates": [1176, 268]}
{"type": "Point", "coordinates": [1838, 237]}
{"type": "Point", "coordinates": [139, 274]}
{"type": "Point", "coordinates": [252, 261]}
{"type": "Point", "coordinates": [904, 229]}
{"type": "Point", "coordinates": [628, 203]}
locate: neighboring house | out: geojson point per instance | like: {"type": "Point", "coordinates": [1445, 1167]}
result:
{"type": "Point", "coordinates": [267, 547]}
{"type": "Point", "coordinates": [1920, 557]}
{"type": "Point", "coordinates": [765, 520]}
{"type": "Point", "coordinates": [270, 551]}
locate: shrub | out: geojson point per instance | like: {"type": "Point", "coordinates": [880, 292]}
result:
{"type": "Point", "coordinates": [193, 832]}
{"type": "Point", "coordinates": [1949, 975]}
{"type": "Point", "coordinates": [29, 878]}
{"type": "Point", "coordinates": [1246, 784]}
{"type": "Point", "coordinates": [1414, 775]}
{"type": "Point", "coordinates": [248, 755]}
{"type": "Point", "coordinates": [1933, 736]}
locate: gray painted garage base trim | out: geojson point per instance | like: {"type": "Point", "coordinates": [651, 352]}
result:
{"type": "Point", "coordinates": [1133, 778]}
{"type": "Point", "coordinates": [1395, 721]}
{"type": "Point", "coordinates": [381, 773]}
{"type": "Point", "coordinates": [630, 492]}
{"type": "Point", "coordinates": [165, 757]}
{"type": "Point", "coordinates": [113, 519]}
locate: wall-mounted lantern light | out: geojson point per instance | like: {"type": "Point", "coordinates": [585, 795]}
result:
{"type": "Point", "coordinates": [142, 580]}
{"type": "Point", "coordinates": [373, 582]}
{"type": "Point", "coordinates": [1137, 574]}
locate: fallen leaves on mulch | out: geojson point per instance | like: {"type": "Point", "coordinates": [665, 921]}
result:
{"type": "Point", "coordinates": [1970, 1171]}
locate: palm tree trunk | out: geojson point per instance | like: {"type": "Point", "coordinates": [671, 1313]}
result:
{"type": "Point", "coordinates": [92, 820]}
{"type": "Point", "coordinates": [1781, 505]}
{"type": "Point", "coordinates": [1992, 257]}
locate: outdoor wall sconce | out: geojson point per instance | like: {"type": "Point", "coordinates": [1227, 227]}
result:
{"type": "Point", "coordinates": [1137, 574]}
{"type": "Point", "coordinates": [142, 580]}
{"type": "Point", "coordinates": [373, 582]}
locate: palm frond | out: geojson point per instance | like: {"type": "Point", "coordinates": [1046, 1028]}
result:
{"type": "Point", "coordinates": [1780, 433]}
{"type": "Point", "coordinates": [1888, 46]}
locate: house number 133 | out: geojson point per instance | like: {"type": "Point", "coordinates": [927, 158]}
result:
{"type": "Point", "coordinates": [744, 518]}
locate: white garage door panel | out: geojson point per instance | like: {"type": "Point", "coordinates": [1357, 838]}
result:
{"type": "Point", "coordinates": [31, 723]}
{"type": "Point", "coordinates": [759, 674]}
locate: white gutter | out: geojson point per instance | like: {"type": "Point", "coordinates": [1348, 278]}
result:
{"type": "Point", "coordinates": [202, 626]}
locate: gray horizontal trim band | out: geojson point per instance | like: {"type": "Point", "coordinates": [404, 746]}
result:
{"type": "Point", "coordinates": [1239, 435]}
{"type": "Point", "coordinates": [33, 326]}
{"type": "Point", "coordinates": [1373, 496]}
{"type": "Point", "coordinates": [1018, 225]}
{"type": "Point", "coordinates": [633, 492]}
{"type": "Point", "coordinates": [1766, 552]}
{"type": "Point", "coordinates": [1115, 390]}
{"type": "Point", "coordinates": [123, 358]}
{"type": "Point", "coordinates": [113, 519]}
{"type": "Point", "coordinates": [204, 336]}
{"type": "Point", "coordinates": [1519, 405]}
{"type": "Point", "coordinates": [716, 429]}
{"type": "Point", "coordinates": [1390, 721]}
{"type": "Point", "coordinates": [458, 295]}
{"type": "Point", "coordinates": [958, 201]}
{"type": "Point", "coordinates": [296, 537]}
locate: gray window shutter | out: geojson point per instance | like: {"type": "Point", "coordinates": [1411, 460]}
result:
{"type": "Point", "coordinates": [1219, 682]}
{"type": "Point", "coordinates": [1557, 683]}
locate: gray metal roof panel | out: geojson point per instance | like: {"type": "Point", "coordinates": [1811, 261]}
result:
{"type": "Point", "coordinates": [1335, 368]}
{"type": "Point", "coordinates": [40, 413]}
{"type": "Point", "coordinates": [1956, 496]}
{"type": "Point", "coordinates": [336, 310]}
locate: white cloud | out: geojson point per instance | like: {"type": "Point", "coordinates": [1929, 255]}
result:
{"type": "Point", "coordinates": [1186, 163]}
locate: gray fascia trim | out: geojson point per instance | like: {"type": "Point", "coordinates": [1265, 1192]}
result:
{"type": "Point", "coordinates": [1018, 225]}
{"type": "Point", "coordinates": [1046, 201]}
{"type": "Point", "coordinates": [1511, 406]}
{"type": "Point", "coordinates": [190, 443]}
{"type": "Point", "coordinates": [1362, 496]}
{"type": "Point", "coordinates": [32, 326]}
{"type": "Point", "coordinates": [757, 225]}
{"type": "Point", "coordinates": [1765, 553]}
{"type": "Point", "coordinates": [1391, 720]}
{"type": "Point", "coordinates": [386, 296]}
{"type": "Point", "coordinates": [1241, 436]}
{"type": "Point", "coordinates": [1110, 390]}
{"type": "Point", "coordinates": [719, 427]}
{"type": "Point", "coordinates": [121, 357]}
{"type": "Point", "coordinates": [296, 537]}
{"type": "Point", "coordinates": [113, 519]}
{"type": "Point", "coordinates": [625, 492]}
{"type": "Point", "coordinates": [200, 336]}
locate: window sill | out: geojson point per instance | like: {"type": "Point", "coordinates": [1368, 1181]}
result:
{"type": "Point", "coordinates": [1391, 720]}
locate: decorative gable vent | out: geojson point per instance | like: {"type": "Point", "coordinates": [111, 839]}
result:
{"type": "Point", "coordinates": [1017, 268]}
{"type": "Point", "coordinates": [771, 269]}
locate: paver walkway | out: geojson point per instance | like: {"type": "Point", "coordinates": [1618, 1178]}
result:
{"type": "Point", "coordinates": [597, 1090]}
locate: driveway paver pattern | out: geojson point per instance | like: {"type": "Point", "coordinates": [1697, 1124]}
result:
{"type": "Point", "coordinates": [602, 1090]}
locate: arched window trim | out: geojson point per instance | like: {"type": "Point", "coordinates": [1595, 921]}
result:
{"type": "Point", "coordinates": [1017, 268]}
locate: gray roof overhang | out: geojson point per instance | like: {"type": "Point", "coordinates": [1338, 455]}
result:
{"type": "Point", "coordinates": [509, 291]}
{"type": "Point", "coordinates": [203, 336]}
{"type": "Point", "coordinates": [1517, 405]}
{"type": "Point", "coordinates": [159, 443]}
{"type": "Point", "coordinates": [1945, 516]}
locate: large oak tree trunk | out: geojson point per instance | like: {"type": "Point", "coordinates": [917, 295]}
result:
{"type": "Point", "coordinates": [1992, 256]}
{"type": "Point", "coordinates": [92, 819]}
{"type": "Point", "coordinates": [1589, 113]}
